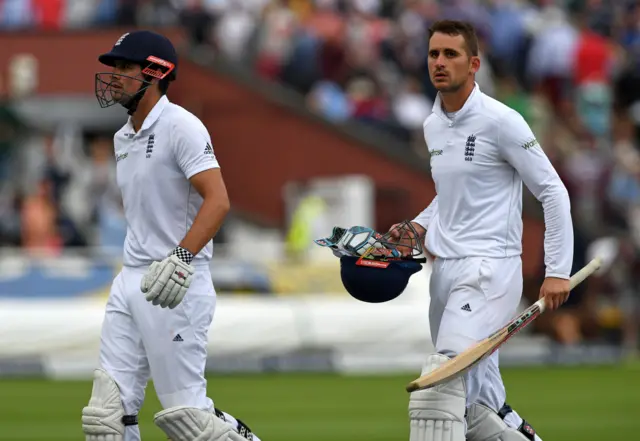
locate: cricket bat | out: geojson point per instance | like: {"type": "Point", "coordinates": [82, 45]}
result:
{"type": "Point", "coordinates": [464, 361]}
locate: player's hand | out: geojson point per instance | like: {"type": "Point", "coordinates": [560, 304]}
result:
{"type": "Point", "coordinates": [406, 238]}
{"type": "Point", "coordinates": [167, 282]}
{"type": "Point", "coordinates": [395, 231]}
{"type": "Point", "coordinates": [555, 292]}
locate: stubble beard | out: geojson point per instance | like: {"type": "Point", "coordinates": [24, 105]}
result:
{"type": "Point", "coordinates": [451, 88]}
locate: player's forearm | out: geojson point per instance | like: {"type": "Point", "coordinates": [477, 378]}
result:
{"type": "Point", "coordinates": [427, 214]}
{"type": "Point", "coordinates": [558, 238]}
{"type": "Point", "coordinates": [206, 224]}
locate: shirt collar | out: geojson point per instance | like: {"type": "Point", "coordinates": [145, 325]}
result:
{"type": "Point", "coordinates": [471, 102]}
{"type": "Point", "coordinates": [153, 116]}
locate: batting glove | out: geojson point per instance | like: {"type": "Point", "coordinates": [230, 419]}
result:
{"type": "Point", "coordinates": [167, 282]}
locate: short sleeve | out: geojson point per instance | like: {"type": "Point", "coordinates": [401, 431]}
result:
{"type": "Point", "coordinates": [194, 151]}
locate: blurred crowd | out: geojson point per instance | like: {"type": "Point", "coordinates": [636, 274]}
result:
{"type": "Point", "coordinates": [570, 67]}
{"type": "Point", "coordinates": [58, 190]}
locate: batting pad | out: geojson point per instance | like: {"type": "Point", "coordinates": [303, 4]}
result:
{"type": "Point", "coordinates": [437, 414]}
{"type": "Point", "coordinates": [183, 423]}
{"type": "Point", "coordinates": [102, 419]}
{"type": "Point", "coordinates": [486, 425]}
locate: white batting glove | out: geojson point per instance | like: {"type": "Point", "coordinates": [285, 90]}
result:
{"type": "Point", "coordinates": [167, 282]}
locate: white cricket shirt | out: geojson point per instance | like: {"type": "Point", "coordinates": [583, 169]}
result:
{"type": "Point", "coordinates": [479, 160]}
{"type": "Point", "coordinates": [153, 171]}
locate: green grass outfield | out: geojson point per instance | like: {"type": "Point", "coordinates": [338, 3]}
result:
{"type": "Point", "coordinates": [563, 404]}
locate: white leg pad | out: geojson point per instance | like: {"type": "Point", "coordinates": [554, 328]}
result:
{"type": "Point", "coordinates": [437, 414]}
{"type": "Point", "coordinates": [102, 418]}
{"type": "Point", "coordinates": [486, 425]}
{"type": "Point", "coordinates": [183, 423]}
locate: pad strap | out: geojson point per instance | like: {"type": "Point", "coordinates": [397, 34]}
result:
{"type": "Point", "coordinates": [241, 427]}
{"type": "Point", "coordinates": [486, 425]}
{"type": "Point", "coordinates": [525, 428]}
{"type": "Point", "coordinates": [183, 423]}
{"type": "Point", "coordinates": [130, 420]}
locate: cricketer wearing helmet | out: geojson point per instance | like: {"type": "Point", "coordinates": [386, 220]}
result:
{"type": "Point", "coordinates": [161, 304]}
{"type": "Point", "coordinates": [481, 153]}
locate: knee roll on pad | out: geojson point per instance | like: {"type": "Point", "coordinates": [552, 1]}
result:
{"type": "Point", "coordinates": [437, 414]}
{"type": "Point", "coordinates": [184, 423]}
{"type": "Point", "coordinates": [486, 425]}
{"type": "Point", "coordinates": [104, 419]}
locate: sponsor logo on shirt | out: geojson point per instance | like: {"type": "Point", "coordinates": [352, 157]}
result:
{"type": "Point", "coordinates": [434, 153]}
{"type": "Point", "coordinates": [121, 156]}
{"type": "Point", "coordinates": [530, 144]}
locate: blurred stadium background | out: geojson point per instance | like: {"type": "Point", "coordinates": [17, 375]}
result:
{"type": "Point", "coordinates": [315, 108]}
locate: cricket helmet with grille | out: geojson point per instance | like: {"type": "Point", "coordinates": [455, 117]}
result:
{"type": "Point", "coordinates": [376, 267]}
{"type": "Point", "coordinates": [153, 52]}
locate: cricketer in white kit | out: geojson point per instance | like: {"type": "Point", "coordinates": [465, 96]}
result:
{"type": "Point", "coordinates": [162, 303]}
{"type": "Point", "coordinates": [481, 152]}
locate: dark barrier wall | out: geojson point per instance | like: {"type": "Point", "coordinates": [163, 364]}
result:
{"type": "Point", "coordinates": [261, 145]}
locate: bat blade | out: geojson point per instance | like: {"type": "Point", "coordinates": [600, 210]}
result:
{"type": "Point", "coordinates": [466, 360]}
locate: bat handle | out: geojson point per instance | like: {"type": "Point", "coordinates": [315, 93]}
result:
{"type": "Point", "coordinates": [541, 305]}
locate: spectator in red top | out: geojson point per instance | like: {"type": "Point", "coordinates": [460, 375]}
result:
{"type": "Point", "coordinates": [48, 13]}
{"type": "Point", "coordinates": [593, 57]}
{"type": "Point", "coordinates": [593, 62]}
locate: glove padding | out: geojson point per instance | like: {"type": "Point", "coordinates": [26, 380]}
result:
{"type": "Point", "coordinates": [167, 282]}
{"type": "Point", "coordinates": [356, 241]}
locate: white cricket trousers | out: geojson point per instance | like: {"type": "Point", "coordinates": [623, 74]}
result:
{"type": "Point", "coordinates": [141, 341]}
{"type": "Point", "coordinates": [470, 299]}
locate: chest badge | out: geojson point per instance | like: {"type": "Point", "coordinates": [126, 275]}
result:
{"type": "Point", "coordinates": [470, 148]}
{"type": "Point", "coordinates": [150, 143]}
